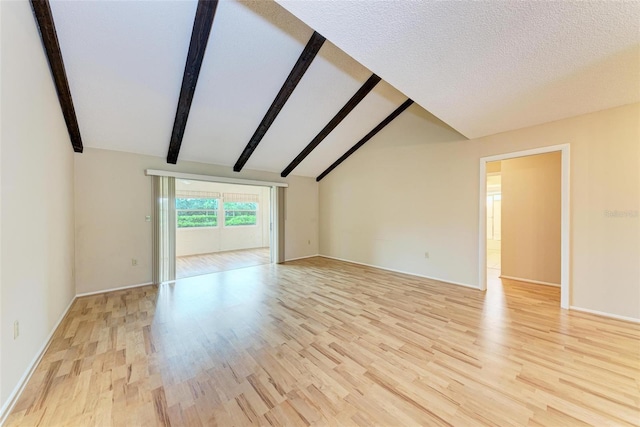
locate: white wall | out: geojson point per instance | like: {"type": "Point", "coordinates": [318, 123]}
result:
{"type": "Point", "coordinates": [113, 196]}
{"type": "Point", "coordinates": [36, 183]}
{"type": "Point", "coordinates": [415, 188]}
{"type": "Point", "coordinates": [203, 240]}
{"type": "Point", "coordinates": [407, 191]}
{"type": "Point", "coordinates": [2, 400]}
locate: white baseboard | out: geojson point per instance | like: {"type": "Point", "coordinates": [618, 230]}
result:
{"type": "Point", "coordinates": [537, 282]}
{"type": "Point", "coordinates": [301, 257]}
{"type": "Point", "coordinates": [104, 291]}
{"type": "Point", "coordinates": [450, 282]}
{"type": "Point", "coordinates": [17, 391]}
{"type": "Point", "coordinates": [604, 314]}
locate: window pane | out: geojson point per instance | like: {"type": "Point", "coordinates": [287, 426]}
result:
{"type": "Point", "coordinates": [240, 213]}
{"type": "Point", "coordinates": [193, 212]}
{"type": "Point", "coordinates": [197, 218]}
{"type": "Point", "coordinates": [240, 206]}
{"type": "Point", "coordinates": [196, 204]}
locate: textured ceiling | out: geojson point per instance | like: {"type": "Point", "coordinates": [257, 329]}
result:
{"type": "Point", "coordinates": [481, 67]}
{"type": "Point", "coordinates": [486, 67]}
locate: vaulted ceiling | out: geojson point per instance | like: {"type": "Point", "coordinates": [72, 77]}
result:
{"type": "Point", "coordinates": [482, 67]}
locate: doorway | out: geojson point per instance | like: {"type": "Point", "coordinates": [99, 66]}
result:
{"type": "Point", "coordinates": [221, 227]}
{"type": "Point", "coordinates": [494, 223]}
{"type": "Point", "coordinates": [164, 222]}
{"type": "Point", "coordinates": [517, 257]}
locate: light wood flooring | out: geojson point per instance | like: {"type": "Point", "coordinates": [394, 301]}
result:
{"type": "Point", "coordinates": [196, 265]}
{"type": "Point", "coordinates": [322, 342]}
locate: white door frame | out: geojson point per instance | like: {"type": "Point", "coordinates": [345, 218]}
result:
{"type": "Point", "coordinates": [565, 288]}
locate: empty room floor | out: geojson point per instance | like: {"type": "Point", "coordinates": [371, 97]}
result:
{"type": "Point", "coordinates": [323, 342]}
{"type": "Point", "coordinates": [196, 265]}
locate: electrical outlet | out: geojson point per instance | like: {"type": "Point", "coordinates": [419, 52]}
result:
{"type": "Point", "coordinates": [134, 262]}
{"type": "Point", "coordinates": [16, 329]}
{"type": "Point", "coordinates": [426, 255]}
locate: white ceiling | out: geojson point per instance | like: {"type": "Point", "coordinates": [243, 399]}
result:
{"type": "Point", "coordinates": [482, 67]}
{"type": "Point", "coordinates": [486, 67]}
{"type": "Point", "coordinates": [125, 61]}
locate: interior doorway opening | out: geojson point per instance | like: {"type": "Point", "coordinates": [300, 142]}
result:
{"type": "Point", "coordinates": [539, 249]}
{"type": "Point", "coordinates": [523, 220]}
{"type": "Point", "coordinates": [221, 227]}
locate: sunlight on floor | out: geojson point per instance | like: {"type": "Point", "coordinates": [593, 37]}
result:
{"type": "Point", "coordinates": [196, 265]}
